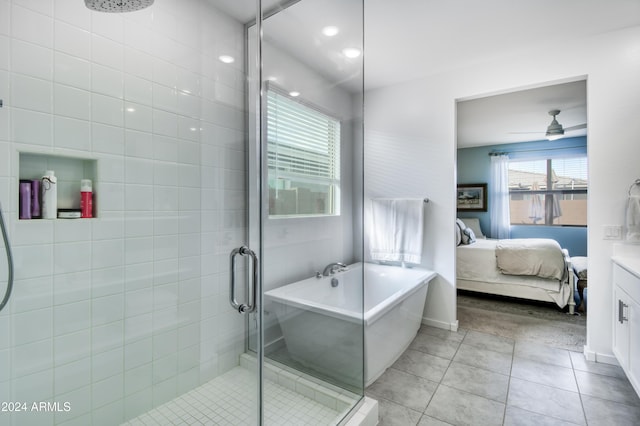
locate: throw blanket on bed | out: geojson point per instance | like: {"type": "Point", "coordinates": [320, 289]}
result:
{"type": "Point", "coordinates": [541, 257]}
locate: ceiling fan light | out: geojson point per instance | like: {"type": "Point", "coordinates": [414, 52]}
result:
{"type": "Point", "coordinates": [555, 129]}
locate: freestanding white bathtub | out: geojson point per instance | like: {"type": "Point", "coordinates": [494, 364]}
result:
{"type": "Point", "coordinates": [322, 324]}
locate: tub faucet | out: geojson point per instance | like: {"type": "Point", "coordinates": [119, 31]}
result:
{"type": "Point", "coordinates": [331, 268]}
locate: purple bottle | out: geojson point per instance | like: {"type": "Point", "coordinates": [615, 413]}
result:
{"type": "Point", "coordinates": [25, 199]}
{"type": "Point", "coordinates": [36, 213]}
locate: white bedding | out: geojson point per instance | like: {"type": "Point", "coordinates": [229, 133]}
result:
{"type": "Point", "coordinates": [477, 262]}
{"type": "Point", "coordinates": [541, 257]}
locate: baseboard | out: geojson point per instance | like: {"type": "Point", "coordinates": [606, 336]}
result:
{"type": "Point", "coordinates": [594, 356]}
{"type": "Point", "coordinates": [440, 324]}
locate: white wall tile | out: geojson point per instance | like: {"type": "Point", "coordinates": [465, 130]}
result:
{"type": "Point", "coordinates": [166, 198]}
{"type": "Point", "coordinates": [108, 281]}
{"type": "Point", "coordinates": [139, 144]}
{"type": "Point", "coordinates": [31, 26]}
{"type": "Point", "coordinates": [70, 133]}
{"type": "Point", "coordinates": [31, 358]}
{"type": "Point", "coordinates": [107, 110]}
{"type": "Point", "coordinates": [36, 293]}
{"type": "Point", "coordinates": [30, 127]}
{"type": "Point", "coordinates": [138, 63]}
{"type": "Point", "coordinates": [105, 310]}
{"type": "Point", "coordinates": [72, 347]}
{"type": "Point", "coordinates": [71, 317]}
{"type": "Point", "coordinates": [111, 196]}
{"type": "Point", "coordinates": [136, 354]}
{"type": "Point", "coordinates": [72, 376]}
{"type": "Point", "coordinates": [139, 170]}
{"type": "Point", "coordinates": [34, 387]}
{"type": "Point", "coordinates": [106, 228]}
{"type": "Point", "coordinates": [72, 40]}
{"type": "Point", "coordinates": [44, 7]}
{"type": "Point", "coordinates": [107, 364]}
{"type": "Point", "coordinates": [139, 276]}
{"type": "Point", "coordinates": [139, 224]}
{"type": "Point", "coordinates": [107, 81]}
{"type": "Point", "coordinates": [5, 16]}
{"type": "Point", "coordinates": [137, 90]}
{"type": "Point", "coordinates": [72, 230]}
{"type": "Point", "coordinates": [138, 250]}
{"type": "Point", "coordinates": [108, 25]}
{"type": "Point", "coordinates": [139, 197]}
{"type": "Point", "coordinates": [69, 288]}
{"type": "Point", "coordinates": [165, 247]}
{"type": "Point", "coordinates": [72, 102]}
{"type": "Point", "coordinates": [137, 36]}
{"type": "Point", "coordinates": [4, 52]}
{"type": "Point", "coordinates": [72, 257]}
{"type": "Point", "coordinates": [24, 265]}
{"type": "Point", "coordinates": [165, 148]}
{"type": "Point", "coordinates": [165, 123]}
{"type": "Point", "coordinates": [32, 60]}
{"type": "Point", "coordinates": [107, 391]}
{"type": "Point", "coordinates": [138, 327]}
{"type": "Point", "coordinates": [72, 71]}
{"type": "Point", "coordinates": [165, 73]}
{"type": "Point", "coordinates": [138, 117]}
{"type": "Point", "coordinates": [74, 13]}
{"type": "Point", "coordinates": [188, 105]}
{"type": "Point", "coordinates": [31, 93]}
{"type": "Point", "coordinates": [138, 302]}
{"type": "Point", "coordinates": [165, 98]}
{"type": "Point", "coordinates": [107, 52]}
{"type": "Point", "coordinates": [32, 326]}
{"type": "Point", "coordinates": [107, 139]}
{"type": "Point", "coordinates": [107, 253]}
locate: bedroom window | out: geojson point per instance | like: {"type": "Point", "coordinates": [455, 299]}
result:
{"type": "Point", "coordinates": [548, 192]}
{"type": "Point", "coordinates": [303, 160]}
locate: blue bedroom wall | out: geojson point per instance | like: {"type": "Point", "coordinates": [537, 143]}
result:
{"type": "Point", "coordinates": [473, 167]}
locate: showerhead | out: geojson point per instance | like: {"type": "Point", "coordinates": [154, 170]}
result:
{"type": "Point", "coordinates": [117, 6]}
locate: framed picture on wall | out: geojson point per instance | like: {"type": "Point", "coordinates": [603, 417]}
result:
{"type": "Point", "coordinates": [472, 197]}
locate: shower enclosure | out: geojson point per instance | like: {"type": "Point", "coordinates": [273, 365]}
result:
{"type": "Point", "coordinates": [223, 140]}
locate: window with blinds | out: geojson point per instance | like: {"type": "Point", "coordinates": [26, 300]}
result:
{"type": "Point", "coordinates": [549, 191]}
{"type": "Point", "coordinates": [303, 158]}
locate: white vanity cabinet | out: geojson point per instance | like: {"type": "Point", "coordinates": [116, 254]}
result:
{"type": "Point", "coordinates": [626, 328]}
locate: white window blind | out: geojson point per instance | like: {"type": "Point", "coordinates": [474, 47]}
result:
{"type": "Point", "coordinates": [303, 155]}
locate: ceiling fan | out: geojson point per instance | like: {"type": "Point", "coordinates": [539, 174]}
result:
{"type": "Point", "coordinates": [555, 130]}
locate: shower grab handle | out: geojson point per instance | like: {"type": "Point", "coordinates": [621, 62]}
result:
{"type": "Point", "coordinates": [250, 306]}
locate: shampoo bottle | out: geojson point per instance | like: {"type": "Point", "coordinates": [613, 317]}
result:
{"type": "Point", "coordinates": [86, 198]}
{"type": "Point", "coordinates": [49, 195]}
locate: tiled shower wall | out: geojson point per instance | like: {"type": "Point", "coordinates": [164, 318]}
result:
{"type": "Point", "coordinates": [120, 313]}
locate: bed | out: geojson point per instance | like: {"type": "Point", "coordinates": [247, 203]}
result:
{"type": "Point", "coordinates": [512, 268]}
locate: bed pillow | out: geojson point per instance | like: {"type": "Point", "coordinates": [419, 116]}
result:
{"type": "Point", "coordinates": [473, 223]}
{"type": "Point", "coordinates": [458, 235]}
{"type": "Point", "coordinates": [468, 236]}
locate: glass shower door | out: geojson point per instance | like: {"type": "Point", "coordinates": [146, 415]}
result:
{"type": "Point", "coordinates": [305, 210]}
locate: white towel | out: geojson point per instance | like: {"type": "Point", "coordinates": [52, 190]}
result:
{"type": "Point", "coordinates": [397, 230]}
{"type": "Point", "coordinates": [633, 219]}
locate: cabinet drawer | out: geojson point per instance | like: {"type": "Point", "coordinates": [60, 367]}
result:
{"type": "Point", "coordinates": [627, 281]}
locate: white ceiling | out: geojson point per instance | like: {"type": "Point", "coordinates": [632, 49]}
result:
{"type": "Point", "coordinates": [521, 116]}
{"type": "Point", "coordinates": [412, 39]}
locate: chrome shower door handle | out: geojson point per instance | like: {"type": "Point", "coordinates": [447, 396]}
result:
{"type": "Point", "coordinates": [250, 305]}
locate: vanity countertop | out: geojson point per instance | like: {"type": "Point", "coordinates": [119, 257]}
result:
{"type": "Point", "coordinates": [630, 263]}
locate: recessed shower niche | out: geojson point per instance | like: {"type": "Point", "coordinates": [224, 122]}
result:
{"type": "Point", "coordinates": [69, 172]}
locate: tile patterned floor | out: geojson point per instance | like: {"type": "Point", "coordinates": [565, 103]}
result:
{"type": "Point", "coordinates": [475, 378]}
{"type": "Point", "coordinates": [228, 400]}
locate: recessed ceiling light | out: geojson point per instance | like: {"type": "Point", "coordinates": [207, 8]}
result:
{"type": "Point", "coordinates": [294, 93]}
{"type": "Point", "coordinates": [272, 78]}
{"type": "Point", "coordinates": [226, 59]}
{"type": "Point", "coordinates": [351, 52]}
{"type": "Point", "coordinates": [330, 30]}
{"type": "Point", "coordinates": [130, 109]}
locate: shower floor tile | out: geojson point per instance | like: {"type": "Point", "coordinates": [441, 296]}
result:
{"type": "Point", "coordinates": [230, 399]}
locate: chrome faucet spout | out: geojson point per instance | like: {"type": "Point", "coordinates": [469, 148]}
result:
{"type": "Point", "coordinates": [331, 268]}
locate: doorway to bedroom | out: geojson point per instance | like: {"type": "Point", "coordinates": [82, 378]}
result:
{"type": "Point", "coordinates": [522, 178]}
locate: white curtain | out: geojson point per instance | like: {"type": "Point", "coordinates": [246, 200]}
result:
{"type": "Point", "coordinates": [499, 197]}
